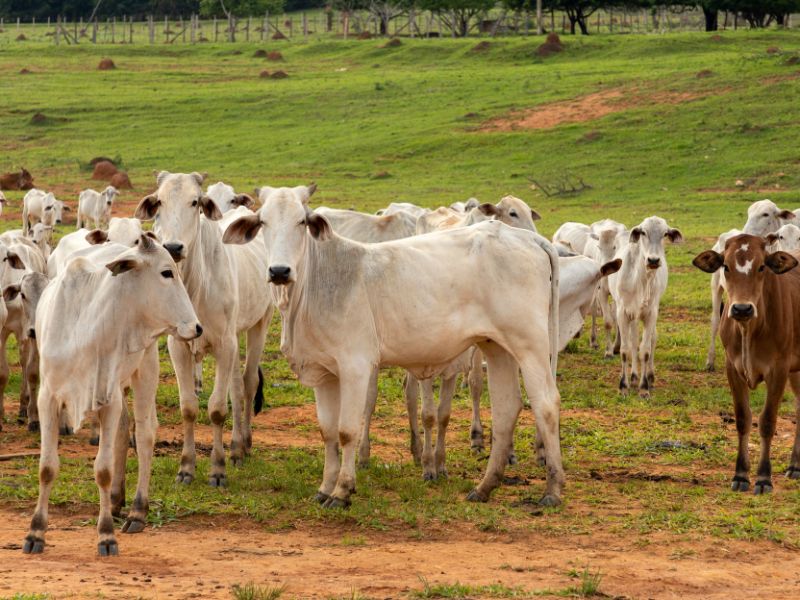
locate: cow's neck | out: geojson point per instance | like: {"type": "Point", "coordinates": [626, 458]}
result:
{"type": "Point", "coordinates": [205, 249]}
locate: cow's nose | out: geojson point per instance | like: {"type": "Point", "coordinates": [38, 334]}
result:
{"type": "Point", "coordinates": [198, 329]}
{"type": "Point", "coordinates": [653, 263]}
{"type": "Point", "coordinates": [742, 312]}
{"type": "Point", "coordinates": [279, 274]}
{"type": "Point", "coordinates": [175, 250]}
{"type": "Point", "coordinates": [32, 333]}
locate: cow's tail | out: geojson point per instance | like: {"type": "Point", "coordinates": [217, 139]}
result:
{"type": "Point", "coordinates": [552, 327]}
{"type": "Point", "coordinates": [258, 401]}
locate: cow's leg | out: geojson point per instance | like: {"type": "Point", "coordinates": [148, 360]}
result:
{"type": "Point", "coordinates": [446, 391]}
{"type": "Point", "coordinates": [428, 423]}
{"type": "Point", "coordinates": [32, 377]}
{"type": "Point", "coordinates": [109, 417]}
{"type": "Point", "coordinates": [227, 355]}
{"type": "Point", "coordinates": [182, 362]}
{"type": "Point", "coordinates": [716, 302]}
{"type": "Point", "coordinates": [48, 470]}
{"type": "Point", "coordinates": [744, 419]}
{"type": "Point", "coordinates": [198, 373]}
{"type": "Point", "coordinates": [253, 380]}
{"type": "Point", "coordinates": [119, 458]}
{"type": "Point", "coordinates": [767, 422]}
{"type": "Point", "coordinates": [353, 384]}
{"type": "Point", "coordinates": [327, 401]}
{"type": "Point", "coordinates": [79, 220]}
{"type": "Point", "coordinates": [646, 350]}
{"type": "Point", "coordinates": [369, 410]}
{"type": "Point", "coordinates": [594, 311]}
{"type": "Point", "coordinates": [610, 325]}
{"type": "Point", "coordinates": [411, 388]}
{"type": "Point", "coordinates": [475, 379]}
{"type": "Point", "coordinates": [145, 384]}
{"type": "Point", "coordinates": [505, 401]}
{"type": "Point", "coordinates": [4, 381]}
{"type": "Point", "coordinates": [238, 401]}
{"type": "Point", "coordinates": [626, 354]}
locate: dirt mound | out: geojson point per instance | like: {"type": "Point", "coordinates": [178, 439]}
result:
{"type": "Point", "coordinates": [106, 65]}
{"type": "Point", "coordinates": [381, 175]}
{"type": "Point", "coordinates": [392, 43]}
{"type": "Point", "coordinates": [365, 35]}
{"type": "Point", "coordinates": [24, 72]}
{"type": "Point", "coordinates": [279, 75]}
{"type": "Point", "coordinates": [590, 136]}
{"type": "Point", "coordinates": [716, 38]}
{"type": "Point", "coordinates": [104, 170]}
{"type": "Point", "coordinates": [121, 181]}
{"type": "Point", "coordinates": [21, 37]}
{"type": "Point", "coordinates": [481, 46]}
{"type": "Point", "coordinates": [551, 46]}
{"type": "Point", "coordinates": [704, 74]}
{"type": "Point", "coordinates": [39, 119]}
{"type": "Point", "coordinates": [264, 74]}
{"type": "Point", "coordinates": [261, 53]}
{"type": "Point", "coordinates": [274, 56]}
{"type": "Point", "coordinates": [278, 36]}
{"type": "Point", "coordinates": [773, 50]}
{"type": "Point", "coordinates": [792, 60]}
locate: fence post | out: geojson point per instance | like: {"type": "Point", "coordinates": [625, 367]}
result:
{"type": "Point", "coordinates": [113, 30]}
{"type": "Point", "coordinates": [151, 29]}
{"type": "Point", "coordinates": [58, 30]}
{"type": "Point", "coordinates": [216, 30]}
{"type": "Point", "coordinates": [305, 27]}
{"type": "Point", "coordinates": [247, 34]}
{"type": "Point", "coordinates": [193, 31]}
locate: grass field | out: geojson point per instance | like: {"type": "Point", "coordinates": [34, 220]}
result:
{"type": "Point", "coordinates": [428, 122]}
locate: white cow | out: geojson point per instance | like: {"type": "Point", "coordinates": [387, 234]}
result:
{"type": "Point", "coordinates": [342, 319]}
{"type": "Point", "coordinates": [96, 207]}
{"type": "Point", "coordinates": [786, 238]}
{"type": "Point", "coordinates": [38, 207]}
{"type": "Point", "coordinates": [226, 198]}
{"type": "Point", "coordinates": [3, 202]}
{"type": "Point", "coordinates": [408, 207]}
{"type": "Point", "coordinates": [368, 228]}
{"type": "Point", "coordinates": [510, 210]}
{"type": "Point", "coordinates": [117, 309]}
{"type": "Point", "coordinates": [227, 285]}
{"type": "Point", "coordinates": [572, 236]}
{"type": "Point", "coordinates": [8, 260]}
{"type": "Point", "coordinates": [604, 241]}
{"type": "Point", "coordinates": [637, 289]}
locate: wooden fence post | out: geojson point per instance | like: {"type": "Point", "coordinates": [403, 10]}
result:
{"type": "Point", "coordinates": [113, 28]}
{"type": "Point", "coordinates": [57, 35]}
{"type": "Point", "coordinates": [152, 29]}
{"type": "Point", "coordinates": [305, 27]}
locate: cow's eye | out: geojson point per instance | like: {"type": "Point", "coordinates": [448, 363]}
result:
{"type": "Point", "coordinates": [167, 274]}
{"type": "Point", "coordinates": [761, 268]}
{"type": "Point", "coordinates": [725, 268]}
{"type": "Point", "coordinates": [22, 295]}
{"type": "Point", "coordinates": [514, 214]}
{"type": "Point", "coordinates": [49, 208]}
{"type": "Point", "coordinates": [765, 215]}
{"type": "Point", "coordinates": [302, 223]}
{"type": "Point", "coordinates": [194, 202]}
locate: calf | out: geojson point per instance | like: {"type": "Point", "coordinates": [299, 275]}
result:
{"type": "Point", "coordinates": [96, 206]}
{"type": "Point", "coordinates": [637, 289]}
{"type": "Point", "coordinates": [226, 198]}
{"type": "Point", "coordinates": [21, 180]}
{"type": "Point", "coordinates": [116, 313]}
{"type": "Point", "coordinates": [759, 330]}
{"type": "Point", "coordinates": [786, 238]}
{"type": "Point", "coordinates": [38, 207]}
{"type": "Point", "coordinates": [602, 246]}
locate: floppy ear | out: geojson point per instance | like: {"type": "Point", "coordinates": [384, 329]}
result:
{"type": "Point", "coordinates": [488, 209]}
{"type": "Point", "coordinates": [146, 243]}
{"type": "Point", "coordinates": [66, 208]}
{"type": "Point", "coordinates": [210, 209]}
{"type": "Point", "coordinates": [15, 261]}
{"type": "Point", "coordinates": [152, 235]}
{"type": "Point", "coordinates": [148, 207]}
{"type": "Point", "coordinates": [11, 292]}
{"type": "Point", "coordinates": [199, 177]}
{"type": "Point", "coordinates": [242, 230]}
{"type": "Point", "coordinates": [594, 236]}
{"type": "Point", "coordinates": [122, 265]}
{"type": "Point", "coordinates": [786, 214]}
{"type": "Point", "coordinates": [535, 216]}
{"type": "Point", "coordinates": [771, 238]}
{"type": "Point", "coordinates": [636, 233]}
{"type": "Point", "coordinates": [708, 261]}
{"type": "Point", "coordinates": [611, 267]}
{"type": "Point", "coordinates": [318, 226]}
{"type": "Point", "coordinates": [780, 262]}
{"type": "Point", "coordinates": [675, 236]}
{"type": "Point", "coordinates": [97, 236]}
{"type": "Point", "coordinates": [244, 200]}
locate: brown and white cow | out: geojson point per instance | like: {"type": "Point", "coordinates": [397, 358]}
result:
{"type": "Point", "coordinates": [760, 330]}
{"type": "Point", "coordinates": [21, 180]}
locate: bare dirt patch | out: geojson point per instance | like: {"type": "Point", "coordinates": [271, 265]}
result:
{"type": "Point", "coordinates": [279, 75]}
{"type": "Point", "coordinates": [704, 74]}
{"type": "Point", "coordinates": [392, 43]}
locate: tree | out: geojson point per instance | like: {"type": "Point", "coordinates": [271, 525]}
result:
{"type": "Point", "coordinates": [578, 11]}
{"type": "Point", "coordinates": [239, 8]}
{"type": "Point", "coordinates": [457, 15]}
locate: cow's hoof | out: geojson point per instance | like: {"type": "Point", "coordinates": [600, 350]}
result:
{"type": "Point", "coordinates": [793, 472]}
{"type": "Point", "coordinates": [321, 497]}
{"type": "Point", "coordinates": [429, 476]}
{"type": "Point", "coordinates": [512, 459]}
{"type": "Point", "coordinates": [549, 500]}
{"type": "Point", "coordinates": [133, 525]}
{"type": "Point", "coordinates": [237, 461]}
{"type": "Point", "coordinates": [21, 418]}
{"type": "Point", "coordinates": [709, 367]}
{"type": "Point", "coordinates": [644, 393]}
{"type": "Point", "coordinates": [33, 426]}
{"type": "Point", "coordinates": [476, 496]}
{"type": "Point", "coordinates": [184, 477]}
{"type": "Point", "coordinates": [762, 487]}
{"type": "Point", "coordinates": [33, 545]}
{"type": "Point", "coordinates": [334, 502]}
{"type": "Point", "coordinates": [217, 480]}
{"type": "Point", "coordinates": [608, 355]}
{"type": "Point", "coordinates": [108, 548]}
{"type": "Point", "coordinates": [477, 449]}
{"type": "Point", "coordinates": [94, 440]}
{"type": "Point", "coordinates": [740, 484]}
{"type": "Point", "coordinates": [67, 430]}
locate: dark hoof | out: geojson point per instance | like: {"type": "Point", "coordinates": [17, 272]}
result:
{"type": "Point", "coordinates": [21, 418]}
{"type": "Point", "coordinates": [33, 426]}
{"type": "Point", "coordinates": [709, 368]}
{"type": "Point", "coordinates": [217, 480]}
{"type": "Point", "coordinates": [429, 476]}
{"type": "Point", "coordinates": [237, 461]}
{"type": "Point", "coordinates": [133, 525]}
{"type": "Point", "coordinates": [476, 496]}
{"type": "Point", "coordinates": [108, 548]}
{"type": "Point", "coordinates": [512, 459]}
{"type": "Point", "coordinates": [651, 379]}
{"type": "Point", "coordinates": [67, 430]}
{"type": "Point", "coordinates": [184, 477]}
{"type": "Point", "coordinates": [762, 487]}
{"type": "Point", "coordinates": [740, 484]}
{"type": "Point", "coordinates": [644, 393]}
{"type": "Point", "coordinates": [132, 443]}
{"type": "Point", "coordinates": [793, 472]}
{"type": "Point", "coordinates": [33, 545]}
{"type": "Point", "coordinates": [94, 441]}
{"type": "Point", "coordinates": [334, 502]}
{"type": "Point", "coordinates": [477, 449]}
{"type": "Point", "coordinates": [321, 497]}
{"type": "Point", "coordinates": [550, 500]}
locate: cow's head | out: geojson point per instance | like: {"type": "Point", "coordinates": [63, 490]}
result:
{"type": "Point", "coordinates": [25, 181]}
{"type": "Point", "coordinates": [286, 222]}
{"type": "Point", "coordinates": [786, 238]}
{"type": "Point", "coordinates": [176, 207]}
{"type": "Point", "coordinates": [41, 234]}
{"type": "Point", "coordinates": [607, 243]}
{"type": "Point", "coordinates": [512, 211]}
{"type": "Point", "coordinates": [747, 264]}
{"type": "Point", "coordinates": [226, 198]}
{"type": "Point", "coordinates": [49, 209]}
{"type": "Point", "coordinates": [110, 194]}
{"type": "Point", "coordinates": [29, 290]}
{"type": "Point", "coordinates": [764, 217]}
{"type": "Point", "coordinates": [650, 235]}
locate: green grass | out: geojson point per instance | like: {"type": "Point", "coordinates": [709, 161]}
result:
{"type": "Point", "coordinates": [251, 591]}
{"type": "Point", "coordinates": [459, 590]}
{"type": "Point", "coordinates": [352, 110]}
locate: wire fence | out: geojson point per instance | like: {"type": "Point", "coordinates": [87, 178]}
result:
{"type": "Point", "coordinates": [357, 24]}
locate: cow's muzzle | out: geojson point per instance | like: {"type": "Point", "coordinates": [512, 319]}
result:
{"type": "Point", "coordinates": [175, 250]}
{"type": "Point", "coordinates": [280, 274]}
{"type": "Point", "coordinates": [653, 263]}
{"type": "Point", "coordinates": [32, 333]}
{"type": "Point", "coordinates": [742, 311]}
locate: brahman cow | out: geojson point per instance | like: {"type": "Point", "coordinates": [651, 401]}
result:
{"type": "Point", "coordinates": [343, 318]}
{"type": "Point", "coordinates": [115, 314]}
{"type": "Point", "coordinates": [226, 198]}
{"type": "Point", "coordinates": [38, 207]}
{"type": "Point", "coordinates": [408, 207]}
{"type": "Point", "coordinates": [368, 228]}
{"type": "Point", "coordinates": [604, 240]}
{"type": "Point", "coordinates": [96, 206]}
{"type": "Point", "coordinates": [786, 238]}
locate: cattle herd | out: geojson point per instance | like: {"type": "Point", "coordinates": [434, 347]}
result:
{"type": "Point", "coordinates": [437, 292]}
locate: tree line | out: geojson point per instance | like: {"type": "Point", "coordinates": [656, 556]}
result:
{"type": "Point", "coordinates": [458, 15]}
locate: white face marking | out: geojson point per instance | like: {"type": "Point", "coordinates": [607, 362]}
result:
{"type": "Point", "coordinates": [745, 268]}
{"type": "Point", "coordinates": [744, 248]}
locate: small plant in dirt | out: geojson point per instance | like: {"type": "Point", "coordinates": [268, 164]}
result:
{"type": "Point", "coordinates": [589, 584]}
{"type": "Point", "coordinates": [251, 591]}
{"type": "Point", "coordinates": [459, 590]}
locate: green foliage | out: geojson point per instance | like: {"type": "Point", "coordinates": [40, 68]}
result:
{"type": "Point", "coordinates": [251, 591]}
{"type": "Point", "coordinates": [239, 8]}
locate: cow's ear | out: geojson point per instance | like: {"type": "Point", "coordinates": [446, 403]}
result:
{"type": "Point", "coordinates": [489, 209]}
{"type": "Point", "coordinates": [786, 214]}
{"type": "Point", "coordinates": [244, 200]}
{"type": "Point", "coordinates": [15, 261]}
{"type": "Point", "coordinates": [318, 227]}
{"type": "Point", "coordinates": [66, 208]}
{"type": "Point", "coordinates": [10, 292]}
{"type": "Point", "coordinates": [305, 192]}
{"type": "Point", "coordinates": [123, 265]}
{"type": "Point", "coordinates": [780, 262]}
{"type": "Point", "coordinates": [636, 233]}
{"type": "Point", "coordinates": [242, 230]}
{"type": "Point", "coordinates": [708, 261]}
{"type": "Point", "coordinates": [210, 208]}
{"type": "Point", "coordinates": [151, 235]}
{"type": "Point", "coordinates": [535, 216]}
{"type": "Point", "coordinates": [594, 236]}
{"type": "Point", "coordinates": [161, 176]}
{"type": "Point", "coordinates": [611, 267]}
{"type": "Point", "coordinates": [97, 236]}
{"type": "Point", "coordinates": [148, 207]}
{"type": "Point", "coordinates": [674, 235]}
{"type": "Point", "coordinates": [199, 177]}
{"type": "Point", "coordinates": [772, 238]}
{"type": "Point", "coordinates": [146, 243]}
